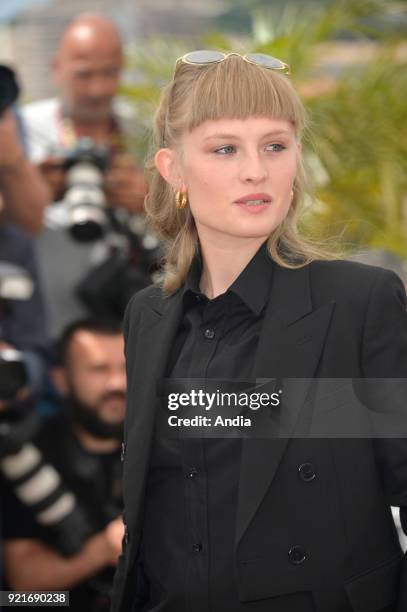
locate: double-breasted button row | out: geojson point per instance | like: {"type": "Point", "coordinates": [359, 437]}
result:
{"type": "Point", "coordinates": [297, 554]}
{"type": "Point", "coordinates": [306, 472]}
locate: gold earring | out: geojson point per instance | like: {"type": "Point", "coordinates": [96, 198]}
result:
{"type": "Point", "coordinates": [181, 200]}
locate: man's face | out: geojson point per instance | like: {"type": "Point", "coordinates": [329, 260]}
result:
{"type": "Point", "coordinates": [95, 375]}
{"type": "Point", "coordinates": [87, 72]}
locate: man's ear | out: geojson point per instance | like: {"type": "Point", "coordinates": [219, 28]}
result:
{"type": "Point", "coordinates": [166, 163]}
{"type": "Point", "coordinates": [58, 375]}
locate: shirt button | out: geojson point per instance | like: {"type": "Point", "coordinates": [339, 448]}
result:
{"type": "Point", "coordinates": [123, 452]}
{"type": "Point", "coordinates": [192, 472]}
{"type": "Point", "coordinates": [209, 333]}
{"type": "Point", "coordinates": [197, 548]}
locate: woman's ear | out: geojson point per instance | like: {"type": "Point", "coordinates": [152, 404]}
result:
{"type": "Point", "coordinates": [165, 162]}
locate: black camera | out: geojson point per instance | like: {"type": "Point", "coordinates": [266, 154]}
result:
{"type": "Point", "coordinates": [35, 482]}
{"type": "Point", "coordinates": [13, 374]}
{"type": "Point", "coordinates": [132, 262]}
{"type": "Point", "coordinates": [15, 284]}
{"type": "Point", "coordinates": [9, 89]}
{"type": "Point", "coordinates": [84, 200]}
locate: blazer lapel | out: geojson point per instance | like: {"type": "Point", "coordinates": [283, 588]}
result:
{"type": "Point", "coordinates": [156, 331]}
{"type": "Point", "coordinates": [290, 346]}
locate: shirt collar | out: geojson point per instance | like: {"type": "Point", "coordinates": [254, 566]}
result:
{"type": "Point", "coordinates": [252, 285]}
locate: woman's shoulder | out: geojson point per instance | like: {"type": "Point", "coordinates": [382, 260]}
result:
{"type": "Point", "coordinates": [345, 271]}
{"type": "Point", "coordinates": [353, 279]}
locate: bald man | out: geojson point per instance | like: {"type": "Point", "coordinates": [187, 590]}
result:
{"type": "Point", "coordinates": [86, 70]}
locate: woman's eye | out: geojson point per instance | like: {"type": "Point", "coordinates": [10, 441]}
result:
{"type": "Point", "coordinates": [275, 147]}
{"type": "Point", "coordinates": [225, 150]}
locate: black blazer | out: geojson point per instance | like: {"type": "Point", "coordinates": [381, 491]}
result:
{"type": "Point", "coordinates": [323, 545]}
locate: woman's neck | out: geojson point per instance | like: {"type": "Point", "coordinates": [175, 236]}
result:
{"type": "Point", "coordinates": [222, 264]}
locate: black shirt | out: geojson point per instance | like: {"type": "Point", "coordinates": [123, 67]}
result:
{"type": "Point", "coordinates": [192, 489]}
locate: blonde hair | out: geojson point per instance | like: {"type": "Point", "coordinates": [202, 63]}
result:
{"type": "Point", "coordinates": [233, 88]}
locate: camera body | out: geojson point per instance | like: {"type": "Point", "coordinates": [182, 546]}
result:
{"type": "Point", "coordinates": [13, 374]}
{"type": "Point", "coordinates": [15, 284]}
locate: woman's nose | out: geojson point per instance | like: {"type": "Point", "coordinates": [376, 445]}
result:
{"type": "Point", "coordinates": [253, 169]}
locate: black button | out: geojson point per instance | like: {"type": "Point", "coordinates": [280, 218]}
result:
{"type": "Point", "coordinates": [123, 452]}
{"type": "Point", "coordinates": [297, 555]}
{"type": "Point", "coordinates": [197, 548]}
{"type": "Point", "coordinates": [126, 535]}
{"type": "Point", "coordinates": [209, 333]}
{"type": "Point", "coordinates": [192, 472]}
{"type": "Point", "coordinates": [307, 472]}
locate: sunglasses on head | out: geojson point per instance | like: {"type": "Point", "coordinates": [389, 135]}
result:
{"type": "Point", "coordinates": [204, 58]}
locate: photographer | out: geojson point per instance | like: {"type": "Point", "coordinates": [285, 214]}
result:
{"type": "Point", "coordinates": [23, 192]}
{"type": "Point", "coordinates": [84, 445]}
{"type": "Point", "coordinates": [22, 198]}
{"type": "Point", "coordinates": [23, 345]}
{"type": "Point", "coordinates": [23, 333]}
{"type": "Point", "coordinates": [86, 71]}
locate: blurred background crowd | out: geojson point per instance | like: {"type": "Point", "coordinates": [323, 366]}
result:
{"type": "Point", "coordinates": [79, 82]}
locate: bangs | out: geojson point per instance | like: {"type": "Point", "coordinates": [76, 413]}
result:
{"type": "Point", "coordinates": [237, 89]}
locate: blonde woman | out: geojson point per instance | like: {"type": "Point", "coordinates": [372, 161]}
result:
{"type": "Point", "coordinates": [219, 524]}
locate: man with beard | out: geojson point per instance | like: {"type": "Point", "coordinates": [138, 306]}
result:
{"type": "Point", "coordinates": [83, 443]}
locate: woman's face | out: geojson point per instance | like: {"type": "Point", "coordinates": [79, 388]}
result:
{"type": "Point", "coordinates": [239, 175]}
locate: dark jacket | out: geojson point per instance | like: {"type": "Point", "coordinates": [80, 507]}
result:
{"type": "Point", "coordinates": [331, 537]}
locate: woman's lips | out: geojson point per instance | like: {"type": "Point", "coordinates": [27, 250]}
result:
{"type": "Point", "coordinates": [254, 202]}
{"type": "Point", "coordinates": [254, 208]}
{"type": "Point", "coordinates": [254, 196]}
